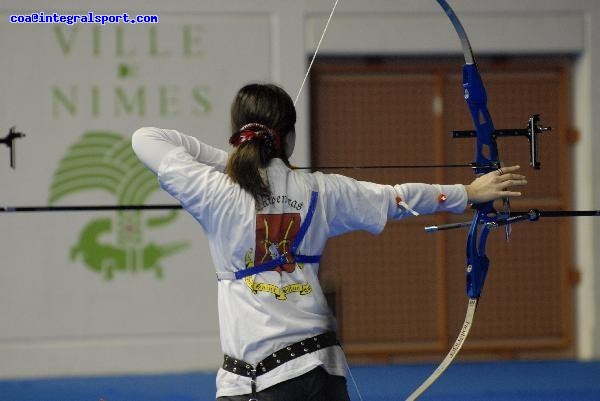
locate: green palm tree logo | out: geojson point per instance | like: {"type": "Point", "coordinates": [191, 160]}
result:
{"type": "Point", "coordinates": [104, 161]}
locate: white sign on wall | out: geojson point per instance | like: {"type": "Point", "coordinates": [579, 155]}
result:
{"type": "Point", "coordinates": [78, 92]}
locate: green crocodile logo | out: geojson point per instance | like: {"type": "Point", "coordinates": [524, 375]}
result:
{"type": "Point", "coordinates": [104, 161]}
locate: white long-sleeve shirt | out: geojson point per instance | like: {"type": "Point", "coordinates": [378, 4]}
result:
{"type": "Point", "coordinates": [268, 311]}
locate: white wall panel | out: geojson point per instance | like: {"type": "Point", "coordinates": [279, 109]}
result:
{"type": "Point", "coordinates": [60, 317]}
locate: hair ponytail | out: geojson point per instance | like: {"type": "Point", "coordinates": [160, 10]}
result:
{"type": "Point", "coordinates": [261, 117]}
{"type": "Point", "coordinates": [245, 164]}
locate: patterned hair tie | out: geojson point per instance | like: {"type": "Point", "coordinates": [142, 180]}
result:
{"type": "Point", "coordinates": [253, 131]}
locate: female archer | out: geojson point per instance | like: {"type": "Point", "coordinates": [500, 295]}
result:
{"type": "Point", "coordinates": [267, 225]}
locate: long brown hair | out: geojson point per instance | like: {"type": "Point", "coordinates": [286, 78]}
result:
{"type": "Point", "coordinates": [267, 110]}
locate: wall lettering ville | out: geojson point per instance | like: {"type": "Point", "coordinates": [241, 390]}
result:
{"type": "Point", "coordinates": [132, 49]}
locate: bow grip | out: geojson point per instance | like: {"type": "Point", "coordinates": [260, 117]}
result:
{"type": "Point", "coordinates": [477, 261]}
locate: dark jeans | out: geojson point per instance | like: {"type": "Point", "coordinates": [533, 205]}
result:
{"type": "Point", "coordinates": [316, 385]}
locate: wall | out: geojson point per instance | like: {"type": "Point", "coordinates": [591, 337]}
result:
{"type": "Point", "coordinates": [63, 314]}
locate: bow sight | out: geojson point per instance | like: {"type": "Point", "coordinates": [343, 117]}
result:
{"type": "Point", "coordinates": [531, 132]}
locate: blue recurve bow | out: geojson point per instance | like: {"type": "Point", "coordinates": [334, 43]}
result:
{"type": "Point", "coordinates": [485, 215]}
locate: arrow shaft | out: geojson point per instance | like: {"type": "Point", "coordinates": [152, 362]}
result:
{"type": "Point", "coordinates": [86, 208]}
{"type": "Point", "coordinates": [515, 217]}
{"type": "Point", "coordinates": [396, 166]}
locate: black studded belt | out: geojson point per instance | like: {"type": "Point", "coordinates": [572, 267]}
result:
{"type": "Point", "coordinates": [279, 357]}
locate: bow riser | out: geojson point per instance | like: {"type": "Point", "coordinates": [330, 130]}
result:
{"type": "Point", "coordinates": [486, 153]}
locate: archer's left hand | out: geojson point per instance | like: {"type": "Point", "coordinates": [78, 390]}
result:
{"type": "Point", "coordinates": [494, 185]}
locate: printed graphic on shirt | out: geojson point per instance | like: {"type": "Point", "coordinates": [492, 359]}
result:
{"type": "Point", "coordinates": [274, 236]}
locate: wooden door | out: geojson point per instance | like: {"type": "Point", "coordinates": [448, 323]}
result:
{"type": "Point", "coordinates": [402, 294]}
